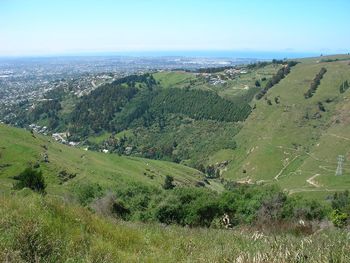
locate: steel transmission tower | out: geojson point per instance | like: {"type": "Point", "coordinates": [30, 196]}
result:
{"type": "Point", "coordinates": [339, 170]}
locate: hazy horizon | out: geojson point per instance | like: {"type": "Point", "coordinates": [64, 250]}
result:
{"type": "Point", "coordinates": [56, 28]}
{"type": "Point", "coordinates": [209, 54]}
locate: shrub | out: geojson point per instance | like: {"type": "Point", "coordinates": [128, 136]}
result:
{"type": "Point", "coordinates": [339, 219]}
{"type": "Point", "coordinates": [87, 192]}
{"type": "Point", "coordinates": [341, 201]}
{"type": "Point", "coordinates": [188, 206]}
{"type": "Point", "coordinates": [32, 179]}
{"type": "Point", "coordinates": [168, 182]}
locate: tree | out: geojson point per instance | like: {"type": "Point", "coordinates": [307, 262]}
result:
{"type": "Point", "coordinates": [315, 83]}
{"type": "Point", "coordinates": [168, 182]}
{"type": "Point", "coordinates": [32, 179]}
{"type": "Point", "coordinates": [257, 83]}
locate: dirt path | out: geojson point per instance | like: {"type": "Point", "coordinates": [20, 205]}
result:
{"type": "Point", "coordinates": [284, 168]}
{"type": "Point", "coordinates": [312, 181]}
{"type": "Point", "coordinates": [340, 137]}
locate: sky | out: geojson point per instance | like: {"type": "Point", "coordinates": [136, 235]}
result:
{"type": "Point", "coordinates": [49, 27]}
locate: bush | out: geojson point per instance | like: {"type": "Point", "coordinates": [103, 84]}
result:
{"type": "Point", "coordinates": [87, 192]}
{"type": "Point", "coordinates": [188, 206]}
{"type": "Point", "coordinates": [341, 201]}
{"type": "Point", "coordinates": [32, 179]}
{"type": "Point", "coordinates": [339, 219]}
{"type": "Point", "coordinates": [168, 182]}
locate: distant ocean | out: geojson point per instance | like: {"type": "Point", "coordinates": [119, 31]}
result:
{"type": "Point", "coordinates": [213, 54]}
{"type": "Point", "coordinates": [260, 55]}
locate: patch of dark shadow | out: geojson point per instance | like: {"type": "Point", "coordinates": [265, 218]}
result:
{"type": "Point", "coordinates": [200, 184]}
{"type": "Point", "coordinates": [119, 209]}
{"type": "Point", "coordinates": [108, 205]}
{"type": "Point", "coordinates": [65, 176]}
{"type": "Point", "coordinates": [4, 165]}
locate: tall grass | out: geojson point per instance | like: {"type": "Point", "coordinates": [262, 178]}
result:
{"type": "Point", "coordinates": [46, 229]}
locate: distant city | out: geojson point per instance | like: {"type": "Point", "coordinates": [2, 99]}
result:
{"type": "Point", "coordinates": [28, 79]}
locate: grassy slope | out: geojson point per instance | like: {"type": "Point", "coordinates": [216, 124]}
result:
{"type": "Point", "coordinates": [277, 142]}
{"type": "Point", "coordinates": [18, 149]}
{"type": "Point", "coordinates": [176, 79]}
{"type": "Point", "coordinates": [233, 89]}
{"type": "Point", "coordinates": [229, 90]}
{"type": "Point", "coordinates": [45, 229]}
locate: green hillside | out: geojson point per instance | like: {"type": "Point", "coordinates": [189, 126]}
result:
{"type": "Point", "coordinates": [292, 136]}
{"type": "Point", "coordinates": [294, 141]}
{"type": "Point", "coordinates": [20, 149]}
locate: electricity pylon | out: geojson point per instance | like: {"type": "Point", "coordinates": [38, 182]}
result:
{"type": "Point", "coordinates": [339, 170]}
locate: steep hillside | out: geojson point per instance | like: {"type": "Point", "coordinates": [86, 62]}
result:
{"type": "Point", "coordinates": [295, 141]}
{"type": "Point", "coordinates": [20, 148]}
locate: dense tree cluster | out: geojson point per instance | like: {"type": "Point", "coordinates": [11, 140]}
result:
{"type": "Point", "coordinates": [97, 110]}
{"type": "Point", "coordinates": [257, 65]}
{"type": "Point", "coordinates": [199, 104]}
{"type": "Point", "coordinates": [48, 109]}
{"type": "Point", "coordinates": [315, 83]}
{"type": "Point", "coordinates": [114, 107]}
{"type": "Point", "coordinates": [213, 70]}
{"type": "Point", "coordinates": [132, 79]}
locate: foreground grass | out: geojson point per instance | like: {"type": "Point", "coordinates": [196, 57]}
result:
{"type": "Point", "coordinates": [46, 229]}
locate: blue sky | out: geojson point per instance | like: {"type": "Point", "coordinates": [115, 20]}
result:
{"type": "Point", "coordinates": [40, 27]}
